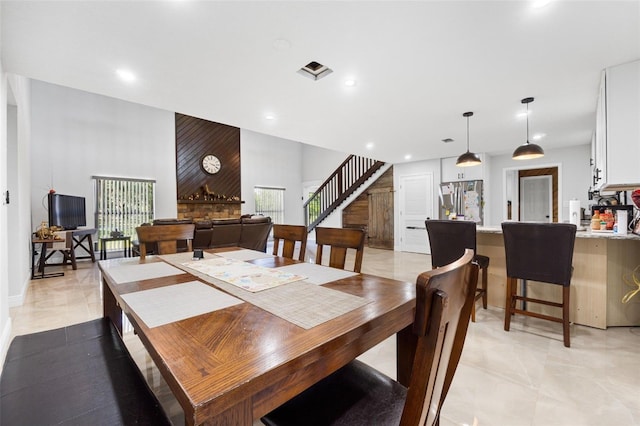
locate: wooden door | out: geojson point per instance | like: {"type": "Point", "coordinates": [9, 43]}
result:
{"type": "Point", "coordinates": [380, 229]}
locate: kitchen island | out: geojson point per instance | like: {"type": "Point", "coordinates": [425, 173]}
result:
{"type": "Point", "coordinates": [601, 261]}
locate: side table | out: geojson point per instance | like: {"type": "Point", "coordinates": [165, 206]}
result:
{"type": "Point", "coordinates": [103, 246]}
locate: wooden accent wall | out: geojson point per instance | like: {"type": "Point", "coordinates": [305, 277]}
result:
{"type": "Point", "coordinates": [378, 223]}
{"type": "Point", "coordinates": [196, 138]}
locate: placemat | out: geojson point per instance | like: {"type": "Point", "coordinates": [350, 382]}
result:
{"type": "Point", "coordinates": [126, 273]}
{"type": "Point", "coordinates": [317, 274]}
{"type": "Point", "coordinates": [176, 302]}
{"type": "Point", "coordinates": [302, 303]}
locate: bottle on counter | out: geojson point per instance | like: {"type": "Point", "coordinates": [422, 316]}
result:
{"type": "Point", "coordinates": [595, 221]}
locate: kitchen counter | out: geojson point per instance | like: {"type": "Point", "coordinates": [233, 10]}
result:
{"type": "Point", "coordinates": [601, 261]}
{"type": "Point", "coordinates": [587, 233]}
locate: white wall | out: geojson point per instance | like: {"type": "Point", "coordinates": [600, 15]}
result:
{"type": "Point", "coordinates": [76, 135]}
{"type": "Point", "coordinates": [272, 161]}
{"type": "Point", "coordinates": [318, 163]}
{"type": "Point", "coordinates": [573, 178]}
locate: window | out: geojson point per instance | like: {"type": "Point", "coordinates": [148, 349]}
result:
{"type": "Point", "coordinates": [270, 202]}
{"type": "Point", "coordinates": [122, 204]}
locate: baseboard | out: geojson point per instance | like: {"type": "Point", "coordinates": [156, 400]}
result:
{"type": "Point", "coordinates": [18, 299]}
{"type": "Point", "coordinates": [4, 342]}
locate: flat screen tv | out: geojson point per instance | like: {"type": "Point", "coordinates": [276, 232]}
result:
{"type": "Point", "coordinates": [67, 211]}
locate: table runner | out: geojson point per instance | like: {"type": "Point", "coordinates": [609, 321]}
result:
{"type": "Point", "coordinates": [164, 305]}
{"type": "Point", "coordinates": [302, 303]}
{"type": "Point", "coordinates": [248, 276]}
{"type": "Point", "coordinates": [317, 274]}
{"type": "Point", "coordinates": [244, 254]}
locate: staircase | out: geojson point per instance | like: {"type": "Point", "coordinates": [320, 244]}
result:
{"type": "Point", "coordinates": [343, 182]}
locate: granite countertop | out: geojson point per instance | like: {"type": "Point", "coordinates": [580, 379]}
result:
{"type": "Point", "coordinates": [580, 234]}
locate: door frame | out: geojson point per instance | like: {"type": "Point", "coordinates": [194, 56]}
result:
{"type": "Point", "coordinates": [530, 169]}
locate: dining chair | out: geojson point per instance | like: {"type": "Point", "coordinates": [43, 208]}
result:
{"type": "Point", "coordinates": [358, 394]}
{"type": "Point", "coordinates": [290, 235]}
{"type": "Point", "coordinates": [339, 240]}
{"type": "Point", "coordinates": [165, 237]}
{"type": "Point", "coordinates": [540, 252]}
{"type": "Point", "coordinates": [448, 240]}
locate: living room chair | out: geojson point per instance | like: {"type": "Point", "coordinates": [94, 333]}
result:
{"type": "Point", "coordinates": [339, 240]}
{"type": "Point", "coordinates": [448, 240]}
{"type": "Point", "coordinates": [290, 235]}
{"type": "Point", "coordinates": [165, 237]}
{"type": "Point", "coordinates": [357, 394]}
{"type": "Point", "coordinates": [540, 252]}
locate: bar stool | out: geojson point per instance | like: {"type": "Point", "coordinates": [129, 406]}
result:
{"type": "Point", "coordinates": [448, 240]}
{"type": "Point", "coordinates": [541, 252]}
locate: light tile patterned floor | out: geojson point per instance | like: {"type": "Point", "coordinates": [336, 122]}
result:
{"type": "Point", "coordinates": [523, 377]}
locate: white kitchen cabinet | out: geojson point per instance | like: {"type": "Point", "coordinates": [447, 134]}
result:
{"type": "Point", "coordinates": [618, 150]}
{"type": "Point", "coordinates": [452, 173]}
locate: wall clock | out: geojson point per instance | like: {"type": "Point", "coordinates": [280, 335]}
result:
{"type": "Point", "coordinates": [211, 164]}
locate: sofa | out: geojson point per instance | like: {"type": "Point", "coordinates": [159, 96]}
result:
{"type": "Point", "coordinates": [249, 232]}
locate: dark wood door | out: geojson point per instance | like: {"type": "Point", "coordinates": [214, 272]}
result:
{"type": "Point", "coordinates": [380, 229]}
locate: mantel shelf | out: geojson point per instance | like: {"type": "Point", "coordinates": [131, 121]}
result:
{"type": "Point", "coordinates": [208, 202]}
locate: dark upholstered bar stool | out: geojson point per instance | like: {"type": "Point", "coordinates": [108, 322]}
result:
{"type": "Point", "coordinates": [540, 252]}
{"type": "Point", "coordinates": [359, 395]}
{"type": "Point", "coordinates": [289, 235]}
{"type": "Point", "coordinates": [448, 240]}
{"type": "Point", "coordinates": [339, 240]}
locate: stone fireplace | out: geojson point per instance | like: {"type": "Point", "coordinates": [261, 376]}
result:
{"type": "Point", "coordinates": [207, 210]}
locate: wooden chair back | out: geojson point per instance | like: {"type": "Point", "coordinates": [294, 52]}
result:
{"type": "Point", "coordinates": [339, 240]}
{"type": "Point", "coordinates": [444, 297]}
{"type": "Point", "coordinates": [289, 235]}
{"type": "Point", "coordinates": [165, 236]}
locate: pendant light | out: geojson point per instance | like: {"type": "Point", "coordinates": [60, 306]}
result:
{"type": "Point", "coordinates": [528, 150]}
{"type": "Point", "coordinates": [468, 158]}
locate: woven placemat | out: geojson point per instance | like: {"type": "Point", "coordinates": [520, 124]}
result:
{"type": "Point", "coordinates": [301, 303]}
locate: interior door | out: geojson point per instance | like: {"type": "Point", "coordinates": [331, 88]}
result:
{"type": "Point", "coordinates": [535, 199]}
{"type": "Point", "coordinates": [380, 227]}
{"type": "Point", "coordinates": [416, 205]}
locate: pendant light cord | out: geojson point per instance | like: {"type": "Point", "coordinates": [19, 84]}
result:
{"type": "Point", "coordinates": [467, 133]}
{"type": "Point", "coordinates": [527, 122]}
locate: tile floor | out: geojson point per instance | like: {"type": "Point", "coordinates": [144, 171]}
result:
{"type": "Point", "coordinates": [524, 377]}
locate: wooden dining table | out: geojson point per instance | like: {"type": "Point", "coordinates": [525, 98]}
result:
{"type": "Point", "coordinates": [235, 364]}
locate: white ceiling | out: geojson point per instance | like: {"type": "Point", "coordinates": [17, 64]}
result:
{"type": "Point", "coordinates": [418, 65]}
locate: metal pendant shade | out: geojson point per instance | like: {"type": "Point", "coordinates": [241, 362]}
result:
{"type": "Point", "coordinates": [528, 150]}
{"type": "Point", "coordinates": [468, 158]}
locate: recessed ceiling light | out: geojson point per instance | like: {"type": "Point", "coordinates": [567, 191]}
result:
{"type": "Point", "coordinates": [270, 117]}
{"type": "Point", "coordinates": [407, 157]}
{"type": "Point", "coordinates": [522, 114]}
{"type": "Point", "coordinates": [125, 75]}
{"type": "Point", "coordinates": [538, 136]}
{"type": "Point", "coordinates": [350, 83]}
{"type": "Point", "coordinates": [370, 145]}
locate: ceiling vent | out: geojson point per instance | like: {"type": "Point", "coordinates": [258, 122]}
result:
{"type": "Point", "coordinates": [315, 70]}
{"type": "Point", "coordinates": [447, 140]}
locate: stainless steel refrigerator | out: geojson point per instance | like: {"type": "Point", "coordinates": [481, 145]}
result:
{"type": "Point", "coordinates": [462, 200]}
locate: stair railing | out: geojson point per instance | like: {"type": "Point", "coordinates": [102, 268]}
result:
{"type": "Point", "coordinates": [343, 182]}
